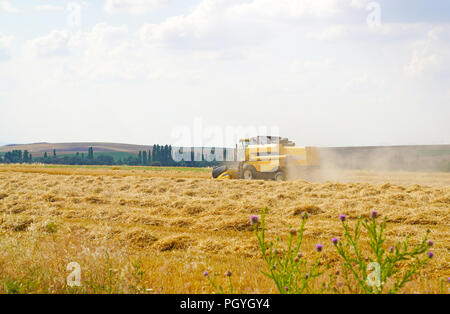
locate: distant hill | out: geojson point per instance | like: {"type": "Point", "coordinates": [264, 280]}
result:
{"type": "Point", "coordinates": [38, 149]}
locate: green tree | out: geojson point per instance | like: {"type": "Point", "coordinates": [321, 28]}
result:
{"type": "Point", "coordinates": [169, 156]}
{"type": "Point", "coordinates": [25, 156]}
{"type": "Point", "coordinates": [144, 158]}
{"type": "Point", "coordinates": [90, 153]}
{"type": "Point", "coordinates": [161, 154]}
{"type": "Point", "coordinates": [154, 157]}
{"type": "Point", "coordinates": [166, 155]}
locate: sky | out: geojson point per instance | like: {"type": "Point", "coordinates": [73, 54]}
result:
{"type": "Point", "coordinates": [206, 72]}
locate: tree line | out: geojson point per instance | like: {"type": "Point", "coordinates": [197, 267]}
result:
{"type": "Point", "coordinates": [17, 156]}
{"type": "Point", "coordinates": [159, 155]}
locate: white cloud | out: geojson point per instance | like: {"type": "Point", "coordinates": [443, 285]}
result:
{"type": "Point", "coordinates": [5, 46]}
{"type": "Point", "coordinates": [133, 6]}
{"type": "Point", "coordinates": [6, 6]}
{"type": "Point", "coordinates": [303, 66]}
{"type": "Point", "coordinates": [48, 8]}
{"type": "Point", "coordinates": [203, 20]}
{"type": "Point", "coordinates": [102, 37]}
{"type": "Point", "coordinates": [293, 9]}
{"type": "Point", "coordinates": [54, 44]}
{"type": "Point", "coordinates": [430, 55]}
{"type": "Point", "coordinates": [440, 32]}
{"type": "Point", "coordinates": [208, 26]}
{"type": "Point", "coordinates": [328, 33]}
{"type": "Point", "coordinates": [107, 52]}
{"type": "Point", "coordinates": [363, 33]}
{"type": "Point", "coordinates": [421, 61]}
{"type": "Point", "coordinates": [104, 52]}
{"type": "Point", "coordinates": [224, 23]}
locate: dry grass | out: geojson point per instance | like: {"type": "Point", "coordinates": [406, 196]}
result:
{"type": "Point", "coordinates": [157, 231]}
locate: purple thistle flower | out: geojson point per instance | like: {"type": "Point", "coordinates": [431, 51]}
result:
{"type": "Point", "coordinates": [373, 214]}
{"type": "Point", "coordinates": [205, 273]}
{"type": "Point", "coordinates": [430, 254]}
{"type": "Point", "coordinates": [391, 249]}
{"type": "Point", "coordinates": [228, 273]}
{"type": "Point", "coordinates": [254, 219]}
{"type": "Point", "coordinates": [334, 240]}
{"type": "Point", "coordinates": [307, 275]}
{"type": "Point", "coordinates": [448, 279]}
{"type": "Point", "coordinates": [342, 217]}
{"type": "Point", "coordinates": [286, 288]}
{"type": "Point", "coordinates": [319, 247]}
{"type": "Point", "coordinates": [430, 243]}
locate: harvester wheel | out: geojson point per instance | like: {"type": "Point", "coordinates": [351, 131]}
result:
{"type": "Point", "coordinates": [280, 176]}
{"type": "Point", "coordinates": [217, 171]}
{"type": "Point", "coordinates": [249, 172]}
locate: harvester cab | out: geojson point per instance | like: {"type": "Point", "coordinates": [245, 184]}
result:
{"type": "Point", "coordinates": [268, 158]}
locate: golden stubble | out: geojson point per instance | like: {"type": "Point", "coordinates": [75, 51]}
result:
{"type": "Point", "coordinates": [176, 224]}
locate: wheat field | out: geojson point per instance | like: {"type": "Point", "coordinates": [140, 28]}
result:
{"type": "Point", "coordinates": [148, 231]}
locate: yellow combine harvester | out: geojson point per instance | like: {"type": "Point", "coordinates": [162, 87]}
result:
{"type": "Point", "coordinates": [269, 158]}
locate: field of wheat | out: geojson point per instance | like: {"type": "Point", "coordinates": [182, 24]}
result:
{"type": "Point", "coordinates": [157, 231]}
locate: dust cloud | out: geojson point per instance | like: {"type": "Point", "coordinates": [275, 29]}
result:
{"type": "Point", "coordinates": [408, 165]}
